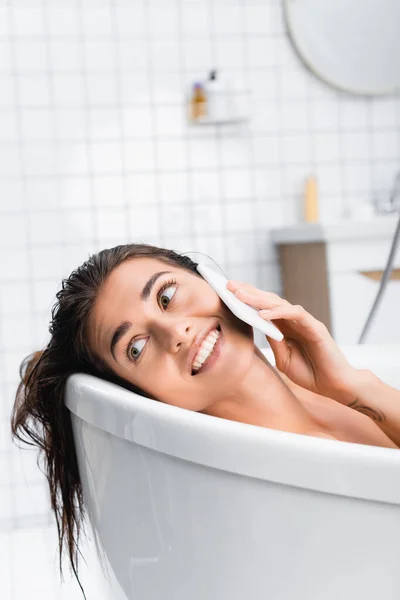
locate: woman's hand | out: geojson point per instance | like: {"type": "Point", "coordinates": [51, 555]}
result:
{"type": "Point", "coordinates": [308, 355]}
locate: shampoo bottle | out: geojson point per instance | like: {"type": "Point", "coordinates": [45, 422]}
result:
{"type": "Point", "coordinates": [198, 103]}
{"type": "Point", "coordinates": [311, 200]}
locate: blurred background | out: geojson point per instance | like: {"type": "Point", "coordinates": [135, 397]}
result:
{"type": "Point", "coordinates": [98, 147]}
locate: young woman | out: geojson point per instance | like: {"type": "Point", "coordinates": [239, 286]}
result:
{"type": "Point", "coordinates": [143, 317]}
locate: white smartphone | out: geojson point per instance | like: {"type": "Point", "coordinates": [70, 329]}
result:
{"type": "Point", "coordinates": [243, 311]}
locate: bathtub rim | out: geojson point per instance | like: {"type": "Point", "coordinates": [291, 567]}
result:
{"type": "Point", "coordinates": [354, 470]}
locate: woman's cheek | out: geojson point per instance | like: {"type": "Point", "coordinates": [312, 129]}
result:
{"type": "Point", "coordinates": [237, 324]}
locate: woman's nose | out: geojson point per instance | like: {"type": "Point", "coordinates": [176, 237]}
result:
{"type": "Point", "coordinates": [174, 334]}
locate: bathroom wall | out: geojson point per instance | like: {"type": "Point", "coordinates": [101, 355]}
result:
{"type": "Point", "coordinates": [95, 150]}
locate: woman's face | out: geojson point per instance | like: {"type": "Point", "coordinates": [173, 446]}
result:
{"type": "Point", "coordinates": [147, 323]}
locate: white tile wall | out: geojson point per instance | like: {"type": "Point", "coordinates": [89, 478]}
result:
{"type": "Point", "coordinates": [29, 567]}
{"type": "Point", "coordinates": [95, 149]}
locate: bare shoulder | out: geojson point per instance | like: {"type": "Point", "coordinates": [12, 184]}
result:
{"type": "Point", "coordinates": [319, 434]}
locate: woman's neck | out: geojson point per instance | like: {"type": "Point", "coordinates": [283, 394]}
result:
{"type": "Point", "coordinates": [262, 398]}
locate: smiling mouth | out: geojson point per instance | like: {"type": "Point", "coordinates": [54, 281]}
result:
{"type": "Point", "coordinates": [197, 364]}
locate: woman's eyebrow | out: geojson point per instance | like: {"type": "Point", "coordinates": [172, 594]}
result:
{"type": "Point", "coordinates": [146, 291]}
{"type": "Point", "coordinates": [124, 327]}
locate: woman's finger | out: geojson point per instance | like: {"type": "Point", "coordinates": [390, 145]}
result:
{"type": "Point", "coordinates": [304, 323]}
{"type": "Point", "coordinates": [281, 351]}
{"type": "Point", "coordinates": [234, 286]}
{"type": "Point", "coordinates": [255, 297]}
{"type": "Point", "coordinates": [271, 307]}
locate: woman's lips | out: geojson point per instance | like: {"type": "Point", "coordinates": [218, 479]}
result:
{"type": "Point", "coordinates": [214, 356]}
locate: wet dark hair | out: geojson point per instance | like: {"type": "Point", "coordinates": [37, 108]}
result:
{"type": "Point", "coordinates": [39, 416]}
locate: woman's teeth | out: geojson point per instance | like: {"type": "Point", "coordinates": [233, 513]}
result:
{"type": "Point", "coordinates": [205, 350]}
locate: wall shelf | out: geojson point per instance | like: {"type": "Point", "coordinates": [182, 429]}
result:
{"type": "Point", "coordinates": [228, 107]}
{"type": "Point", "coordinates": [228, 121]}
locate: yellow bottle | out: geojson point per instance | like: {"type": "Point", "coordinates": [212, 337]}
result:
{"type": "Point", "coordinates": [311, 200]}
{"type": "Point", "coordinates": [198, 103]}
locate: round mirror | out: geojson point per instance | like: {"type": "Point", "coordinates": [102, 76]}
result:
{"type": "Point", "coordinates": [353, 45]}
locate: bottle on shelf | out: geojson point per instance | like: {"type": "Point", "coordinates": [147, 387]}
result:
{"type": "Point", "coordinates": [198, 103]}
{"type": "Point", "coordinates": [311, 200]}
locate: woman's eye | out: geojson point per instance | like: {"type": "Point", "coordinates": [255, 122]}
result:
{"type": "Point", "coordinates": [164, 298]}
{"type": "Point", "coordinates": [134, 352]}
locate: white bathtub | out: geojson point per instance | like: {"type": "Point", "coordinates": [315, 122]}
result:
{"type": "Point", "coordinates": [191, 507]}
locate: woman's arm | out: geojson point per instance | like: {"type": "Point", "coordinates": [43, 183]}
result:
{"type": "Point", "coordinates": [309, 357]}
{"type": "Point", "coordinates": [376, 399]}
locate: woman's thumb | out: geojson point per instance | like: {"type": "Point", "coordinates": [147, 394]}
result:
{"type": "Point", "coordinates": [279, 349]}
